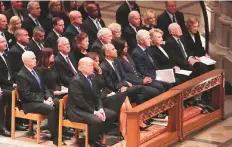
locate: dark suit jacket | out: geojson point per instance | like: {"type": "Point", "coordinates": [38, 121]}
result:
{"type": "Point", "coordinates": [10, 38]}
{"type": "Point", "coordinates": [15, 59]}
{"type": "Point", "coordinates": [123, 12]}
{"type": "Point", "coordinates": [71, 32]}
{"type": "Point", "coordinates": [175, 54]}
{"type": "Point", "coordinates": [29, 25]}
{"type": "Point", "coordinates": [10, 13]}
{"type": "Point", "coordinates": [30, 92]}
{"type": "Point", "coordinates": [143, 64]}
{"type": "Point", "coordinates": [162, 61]}
{"type": "Point", "coordinates": [196, 47]}
{"type": "Point", "coordinates": [34, 48]}
{"type": "Point", "coordinates": [110, 77]}
{"type": "Point", "coordinates": [163, 21]}
{"type": "Point", "coordinates": [4, 82]}
{"type": "Point", "coordinates": [129, 70]}
{"type": "Point", "coordinates": [62, 66]}
{"type": "Point", "coordinates": [90, 28]}
{"type": "Point", "coordinates": [81, 97]}
{"type": "Point", "coordinates": [96, 47]}
{"type": "Point", "coordinates": [51, 42]}
{"type": "Point", "coordinates": [130, 36]}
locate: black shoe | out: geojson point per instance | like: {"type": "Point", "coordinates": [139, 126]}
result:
{"type": "Point", "coordinates": [5, 132]}
{"type": "Point", "coordinates": [68, 133]}
{"type": "Point", "coordinates": [20, 128]}
{"type": "Point", "coordinates": [97, 144]}
{"type": "Point", "coordinates": [66, 137]}
{"type": "Point", "coordinates": [144, 128]}
{"type": "Point", "coordinates": [55, 142]}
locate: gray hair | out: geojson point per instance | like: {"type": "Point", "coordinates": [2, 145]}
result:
{"type": "Point", "coordinates": [83, 61]}
{"type": "Point", "coordinates": [18, 32]}
{"type": "Point", "coordinates": [31, 4]}
{"type": "Point", "coordinates": [38, 29]}
{"type": "Point", "coordinates": [105, 47]}
{"type": "Point", "coordinates": [26, 55]}
{"type": "Point", "coordinates": [103, 31]}
{"type": "Point", "coordinates": [60, 39]}
{"type": "Point", "coordinates": [114, 27]}
{"type": "Point", "coordinates": [172, 27]}
{"type": "Point", "coordinates": [142, 34]}
{"type": "Point", "coordinates": [132, 14]}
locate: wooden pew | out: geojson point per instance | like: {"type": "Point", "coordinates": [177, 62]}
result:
{"type": "Point", "coordinates": [172, 101]}
{"type": "Point", "coordinates": [213, 80]}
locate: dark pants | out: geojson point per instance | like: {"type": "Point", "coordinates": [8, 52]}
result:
{"type": "Point", "coordinates": [96, 126]}
{"type": "Point", "coordinates": [161, 86]}
{"type": "Point", "coordinates": [52, 113]}
{"type": "Point", "coordinates": [5, 98]}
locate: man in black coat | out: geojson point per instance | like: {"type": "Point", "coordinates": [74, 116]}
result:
{"type": "Point", "coordinates": [3, 30]}
{"type": "Point", "coordinates": [180, 54]}
{"type": "Point", "coordinates": [64, 61]}
{"type": "Point", "coordinates": [104, 36]}
{"type": "Point", "coordinates": [123, 12]}
{"type": "Point", "coordinates": [16, 10]}
{"type": "Point", "coordinates": [34, 95]}
{"type": "Point", "coordinates": [57, 32]}
{"type": "Point", "coordinates": [75, 27]}
{"type": "Point", "coordinates": [85, 104]}
{"type": "Point", "coordinates": [130, 31]}
{"type": "Point", "coordinates": [169, 16]}
{"type": "Point", "coordinates": [31, 20]}
{"type": "Point", "coordinates": [115, 81]}
{"type": "Point", "coordinates": [144, 62]}
{"type": "Point", "coordinates": [36, 43]}
{"type": "Point", "coordinates": [15, 53]}
{"type": "Point", "coordinates": [93, 23]}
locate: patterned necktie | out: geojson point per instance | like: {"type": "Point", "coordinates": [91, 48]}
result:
{"type": "Point", "coordinates": [90, 82]}
{"type": "Point", "coordinates": [173, 18]}
{"type": "Point", "coordinates": [149, 57]}
{"type": "Point", "coordinates": [116, 71]}
{"type": "Point", "coordinates": [37, 22]}
{"type": "Point", "coordinates": [182, 49]}
{"type": "Point", "coordinates": [70, 66]}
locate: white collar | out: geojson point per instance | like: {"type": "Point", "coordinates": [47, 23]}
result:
{"type": "Point", "coordinates": [28, 68]}
{"type": "Point", "coordinates": [22, 46]}
{"type": "Point", "coordinates": [133, 27]}
{"type": "Point", "coordinates": [143, 49]}
{"type": "Point", "coordinates": [111, 62]}
{"type": "Point", "coordinates": [94, 20]}
{"type": "Point", "coordinates": [56, 33]}
{"type": "Point", "coordinates": [64, 56]}
{"type": "Point", "coordinates": [33, 18]}
{"type": "Point", "coordinates": [1, 53]}
{"type": "Point", "coordinates": [129, 5]}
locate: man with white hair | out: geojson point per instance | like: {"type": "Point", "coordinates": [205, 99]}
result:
{"type": "Point", "coordinates": [130, 31]}
{"type": "Point", "coordinates": [32, 19]}
{"type": "Point", "coordinates": [85, 104]}
{"type": "Point", "coordinates": [74, 28]}
{"type": "Point", "coordinates": [34, 96]}
{"type": "Point", "coordinates": [179, 53]}
{"type": "Point", "coordinates": [104, 36]}
{"type": "Point", "coordinates": [64, 61]}
{"type": "Point", "coordinates": [144, 62]}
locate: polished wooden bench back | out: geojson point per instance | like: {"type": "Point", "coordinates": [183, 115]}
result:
{"type": "Point", "coordinates": [172, 101]}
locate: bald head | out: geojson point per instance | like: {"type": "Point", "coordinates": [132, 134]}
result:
{"type": "Point", "coordinates": [3, 22]}
{"type": "Point", "coordinates": [29, 59]}
{"type": "Point", "coordinates": [134, 18]}
{"type": "Point", "coordinates": [175, 30]}
{"type": "Point", "coordinates": [85, 65]}
{"type": "Point", "coordinates": [75, 17]}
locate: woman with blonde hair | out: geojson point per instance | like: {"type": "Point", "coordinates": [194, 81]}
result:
{"type": "Point", "coordinates": [149, 20]}
{"type": "Point", "coordinates": [14, 24]}
{"type": "Point", "coordinates": [116, 30]}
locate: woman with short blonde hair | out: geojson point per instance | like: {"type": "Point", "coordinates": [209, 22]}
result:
{"type": "Point", "coordinates": [149, 20]}
{"type": "Point", "coordinates": [116, 30]}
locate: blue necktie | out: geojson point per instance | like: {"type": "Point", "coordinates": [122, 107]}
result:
{"type": "Point", "coordinates": [36, 77]}
{"type": "Point", "coordinates": [90, 82]}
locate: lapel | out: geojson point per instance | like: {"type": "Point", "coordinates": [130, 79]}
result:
{"type": "Point", "coordinates": [19, 48]}
{"type": "Point", "coordinates": [87, 84]}
{"type": "Point", "coordinates": [31, 77]}
{"type": "Point", "coordinates": [108, 66]}
{"type": "Point", "coordinates": [161, 53]}
{"type": "Point", "coordinates": [169, 21]}
{"type": "Point", "coordinates": [92, 25]}
{"type": "Point", "coordinates": [73, 29]}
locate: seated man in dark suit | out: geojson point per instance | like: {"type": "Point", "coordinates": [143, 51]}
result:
{"type": "Point", "coordinates": [51, 39]}
{"type": "Point", "coordinates": [75, 27]}
{"type": "Point", "coordinates": [34, 95]}
{"type": "Point", "coordinates": [93, 23]}
{"type": "Point", "coordinates": [31, 20]}
{"type": "Point", "coordinates": [104, 36]}
{"type": "Point", "coordinates": [15, 53]}
{"type": "Point", "coordinates": [16, 9]}
{"type": "Point", "coordinates": [129, 32]}
{"type": "Point", "coordinates": [144, 63]}
{"type": "Point", "coordinates": [115, 81]}
{"type": "Point", "coordinates": [85, 104]}
{"type": "Point", "coordinates": [64, 61]}
{"type": "Point", "coordinates": [180, 54]}
{"type": "Point", "coordinates": [123, 12]}
{"type": "Point", "coordinates": [36, 43]}
{"type": "Point", "coordinates": [169, 16]}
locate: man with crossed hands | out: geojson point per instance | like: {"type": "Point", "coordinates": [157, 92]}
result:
{"type": "Point", "coordinates": [85, 104]}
